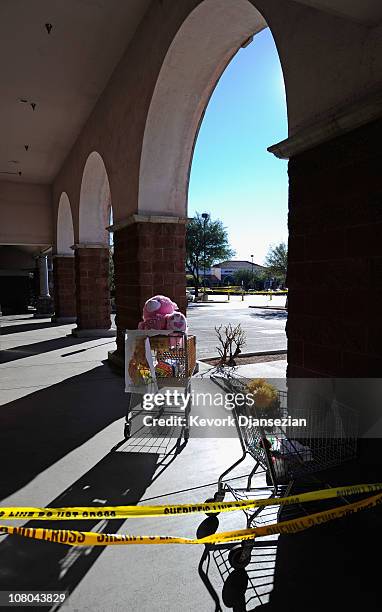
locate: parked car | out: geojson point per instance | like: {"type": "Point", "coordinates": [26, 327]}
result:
{"type": "Point", "coordinates": [189, 296]}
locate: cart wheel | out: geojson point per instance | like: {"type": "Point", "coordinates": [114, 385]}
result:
{"type": "Point", "coordinates": [239, 556]}
{"type": "Point", "coordinates": [211, 500]}
{"type": "Point", "coordinates": [219, 496]}
{"type": "Point", "coordinates": [126, 431]}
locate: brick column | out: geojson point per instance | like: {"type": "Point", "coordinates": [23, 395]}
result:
{"type": "Point", "coordinates": [149, 259]}
{"type": "Point", "coordinates": [335, 276]}
{"type": "Point", "coordinates": [335, 257]}
{"type": "Point", "coordinates": [92, 291]}
{"type": "Point", "coordinates": [64, 289]}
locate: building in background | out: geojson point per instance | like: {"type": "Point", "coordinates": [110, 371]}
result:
{"type": "Point", "coordinates": [231, 266]}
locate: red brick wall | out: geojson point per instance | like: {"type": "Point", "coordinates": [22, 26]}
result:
{"type": "Point", "coordinates": [148, 260]}
{"type": "Point", "coordinates": [335, 257]}
{"type": "Point", "coordinates": [92, 288]}
{"type": "Point", "coordinates": [64, 287]}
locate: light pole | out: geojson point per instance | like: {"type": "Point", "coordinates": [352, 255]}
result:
{"type": "Point", "coordinates": [253, 277]}
{"type": "Point", "coordinates": [205, 217]}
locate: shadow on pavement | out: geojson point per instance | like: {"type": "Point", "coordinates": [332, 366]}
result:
{"type": "Point", "coordinates": [28, 350]}
{"type": "Point", "coordinates": [41, 428]}
{"type": "Point", "coordinates": [118, 479]}
{"type": "Point", "coordinates": [272, 316]}
{"type": "Point", "coordinates": [333, 566]}
{"type": "Point", "coordinates": [200, 305]}
{"type": "Point", "coordinates": [15, 329]}
{"type": "Point", "coordinates": [328, 567]}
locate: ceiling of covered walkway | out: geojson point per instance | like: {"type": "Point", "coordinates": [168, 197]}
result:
{"type": "Point", "coordinates": [57, 59]}
{"type": "Point", "coordinates": [51, 77]}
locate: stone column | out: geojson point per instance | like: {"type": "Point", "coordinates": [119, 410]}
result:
{"type": "Point", "coordinates": [149, 259]}
{"type": "Point", "coordinates": [64, 289]}
{"type": "Point", "coordinates": [92, 291]}
{"type": "Point", "coordinates": [44, 302]}
{"type": "Point", "coordinates": [335, 257]}
{"type": "Point", "coordinates": [335, 270]}
{"type": "Point", "coordinates": [335, 278]}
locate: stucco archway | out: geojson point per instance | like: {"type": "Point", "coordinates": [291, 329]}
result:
{"type": "Point", "coordinates": [95, 202]}
{"type": "Point", "coordinates": [92, 251]}
{"type": "Point", "coordinates": [198, 55]}
{"type": "Point", "coordinates": [63, 264]}
{"type": "Point", "coordinates": [65, 232]}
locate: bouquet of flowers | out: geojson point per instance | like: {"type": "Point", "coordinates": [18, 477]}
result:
{"type": "Point", "coordinates": [265, 396]}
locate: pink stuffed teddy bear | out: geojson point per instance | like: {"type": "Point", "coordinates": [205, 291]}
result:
{"type": "Point", "coordinates": [177, 322]}
{"type": "Point", "coordinates": [155, 311]}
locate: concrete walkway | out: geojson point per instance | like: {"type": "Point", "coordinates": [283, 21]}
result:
{"type": "Point", "coordinates": [61, 413]}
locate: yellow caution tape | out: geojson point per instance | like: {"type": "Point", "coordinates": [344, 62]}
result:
{"type": "Point", "coordinates": [118, 512]}
{"type": "Point", "coordinates": [89, 538]}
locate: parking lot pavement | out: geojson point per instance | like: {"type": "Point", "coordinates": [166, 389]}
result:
{"type": "Point", "coordinates": [251, 300]}
{"type": "Point", "coordinates": [265, 328]}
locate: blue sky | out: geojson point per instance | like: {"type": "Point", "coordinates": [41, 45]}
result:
{"type": "Point", "coordinates": [233, 177]}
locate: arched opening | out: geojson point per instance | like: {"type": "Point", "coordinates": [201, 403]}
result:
{"type": "Point", "coordinates": [200, 50]}
{"type": "Point", "coordinates": [65, 233]}
{"type": "Point", "coordinates": [234, 178]}
{"type": "Point", "coordinates": [198, 55]}
{"type": "Point", "coordinates": [196, 59]}
{"type": "Point", "coordinates": [64, 288]}
{"type": "Point", "coordinates": [93, 251]}
{"type": "Point", "coordinates": [210, 37]}
{"type": "Point", "coordinates": [95, 202]}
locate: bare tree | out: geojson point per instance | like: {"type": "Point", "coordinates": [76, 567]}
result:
{"type": "Point", "coordinates": [231, 339]}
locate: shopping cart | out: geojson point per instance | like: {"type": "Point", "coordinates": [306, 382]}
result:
{"type": "Point", "coordinates": [154, 361]}
{"type": "Point", "coordinates": [320, 435]}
